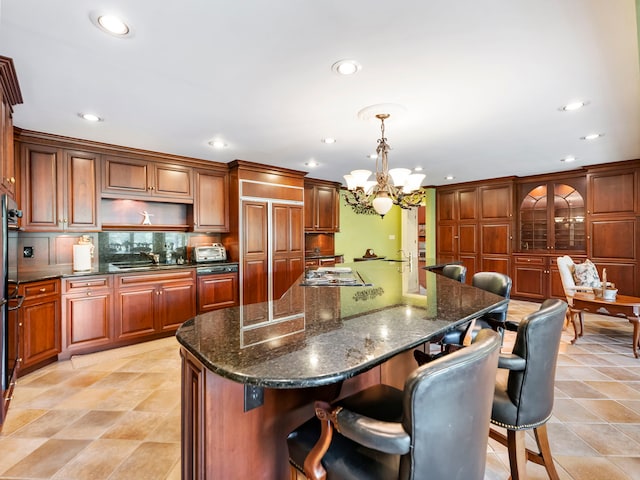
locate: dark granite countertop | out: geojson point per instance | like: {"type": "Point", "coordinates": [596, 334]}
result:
{"type": "Point", "coordinates": [25, 276]}
{"type": "Point", "coordinates": [320, 335]}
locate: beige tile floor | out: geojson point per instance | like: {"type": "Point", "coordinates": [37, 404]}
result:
{"type": "Point", "coordinates": [116, 415]}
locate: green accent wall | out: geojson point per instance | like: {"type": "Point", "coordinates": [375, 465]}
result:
{"type": "Point", "coordinates": [359, 232]}
{"type": "Point", "coordinates": [430, 224]}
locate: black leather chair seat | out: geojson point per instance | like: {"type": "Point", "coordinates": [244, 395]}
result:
{"type": "Point", "coordinates": [346, 459]}
{"type": "Point", "coordinates": [359, 462]}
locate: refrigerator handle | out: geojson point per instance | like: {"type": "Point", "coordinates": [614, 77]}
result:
{"type": "Point", "coordinates": [20, 299]}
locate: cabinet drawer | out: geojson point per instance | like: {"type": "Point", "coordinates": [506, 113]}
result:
{"type": "Point", "coordinates": [138, 279]}
{"type": "Point", "coordinates": [530, 260]}
{"type": "Point", "coordinates": [38, 289]}
{"type": "Point", "coordinates": [81, 284]}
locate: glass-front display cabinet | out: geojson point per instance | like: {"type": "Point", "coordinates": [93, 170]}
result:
{"type": "Point", "coordinates": [552, 216]}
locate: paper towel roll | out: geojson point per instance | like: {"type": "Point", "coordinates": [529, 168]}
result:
{"type": "Point", "coordinates": [82, 257]}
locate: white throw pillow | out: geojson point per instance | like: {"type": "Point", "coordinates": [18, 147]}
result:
{"type": "Point", "coordinates": [586, 274]}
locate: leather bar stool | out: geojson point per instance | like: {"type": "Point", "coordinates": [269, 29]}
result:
{"type": "Point", "coordinates": [524, 388]}
{"type": "Point", "coordinates": [385, 433]}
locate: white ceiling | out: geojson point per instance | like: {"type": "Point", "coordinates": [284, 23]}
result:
{"type": "Point", "coordinates": [481, 80]}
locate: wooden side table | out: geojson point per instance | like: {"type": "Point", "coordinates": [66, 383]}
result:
{"type": "Point", "coordinates": [623, 306]}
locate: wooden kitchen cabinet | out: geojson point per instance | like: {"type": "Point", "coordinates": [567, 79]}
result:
{"type": "Point", "coordinates": [475, 226]}
{"type": "Point", "coordinates": [217, 291]}
{"type": "Point", "coordinates": [211, 202]}
{"type": "Point", "coordinates": [613, 224]}
{"type": "Point", "coordinates": [39, 321]}
{"type": "Point", "coordinates": [321, 206]}
{"type": "Point", "coordinates": [537, 277]}
{"type": "Point", "coordinates": [144, 179]}
{"type": "Point", "coordinates": [59, 189]}
{"type": "Point", "coordinates": [87, 314]}
{"type": "Point", "coordinates": [9, 96]}
{"type": "Point", "coordinates": [150, 305]}
{"type": "Point", "coordinates": [552, 215]}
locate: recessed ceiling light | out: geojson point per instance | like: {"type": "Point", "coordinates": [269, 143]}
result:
{"type": "Point", "coordinates": [417, 169]}
{"type": "Point", "coordinates": [346, 67]}
{"type": "Point", "coordinates": [90, 117]}
{"type": "Point", "coordinates": [568, 159]}
{"type": "Point", "coordinates": [328, 140]}
{"type": "Point", "coordinates": [592, 136]}
{"type": "Point", "coordinates": [372, 156]}
{"type": "Point", "coordinates": [312, 163]}
{"type": "Point", "coordinates": [111, 24]}
{"type": "Point", "coordinates": [573, 106]}
{"type": "Point", "coordinates": [217, 144]}
{"type": "Point", "coordinates": [449, 177]}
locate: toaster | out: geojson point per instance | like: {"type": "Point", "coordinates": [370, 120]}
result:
{"type": "Point", "coordinates": [209, 253]}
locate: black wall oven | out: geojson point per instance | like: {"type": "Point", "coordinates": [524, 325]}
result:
{"type": "Point", "coordinates": [9, 298]}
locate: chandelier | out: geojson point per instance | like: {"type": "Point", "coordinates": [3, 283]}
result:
{"type": "Point", "coordinates": [397, 186]}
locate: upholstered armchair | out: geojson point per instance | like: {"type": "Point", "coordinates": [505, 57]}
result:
{"type": "Point", "coordinates": [385, 433]}
{"type": "Point", "coordinates": [567, 268]}
{"type": "Point", "coordinates": [524, 388]}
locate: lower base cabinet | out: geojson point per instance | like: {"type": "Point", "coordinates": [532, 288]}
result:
{"type": "Point", "coordinates": [217, 291]}
{"type": "Point", "coordinates": [536, 277]}
{"type": "Point", "coordinates": [150, 305]}
{"type": "Point", "coordinates": [39, 324]}
{"type": "Point", "coordinates": [87, 308]}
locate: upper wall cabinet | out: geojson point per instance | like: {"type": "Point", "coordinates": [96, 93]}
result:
{"type": "Point", "coordinates": [612, 192]}
{"type": "Point", "coordinates": [552, 215]}
{"type": "Point", "coordinates": [59, 189]}
{"type": "Point", "coordinates": [321, 206]}
{"type": "Point", "coordinates": [211, 202]}
{"type": "Point", "coordinates": [142, 179]}
{"type": "Point", "coordinates": [9, 95]}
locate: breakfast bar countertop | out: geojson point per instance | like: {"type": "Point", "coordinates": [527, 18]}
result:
{"type": "Point", "coordinates": [319, 335]}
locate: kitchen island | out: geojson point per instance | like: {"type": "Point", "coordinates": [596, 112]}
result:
{"type": "Point", "coordinates": [245, 385]}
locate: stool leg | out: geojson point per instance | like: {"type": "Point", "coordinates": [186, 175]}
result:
{"type": "Point", "coordinates": [517, 454]}
{"type": "Point", "coordinates": [545, 452]}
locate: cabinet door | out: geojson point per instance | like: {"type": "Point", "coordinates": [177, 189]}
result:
{"type": "Point", "coordinates": [612, 193]}
{"type": "Point", "coordinates": [7, 159]}
{"type": "Point", "coordinates": [41, 331]}
{"type": "Point", "coordinates": [135, 312]}
{"type": "Point", "coordinates": [530, 278]}
{"type": "Point", "coordinates": [176, 305]}
{"type": "Point", "coordinates": [217, 291]}
{"type": "Point", "coordinates": [446, 206]}
{"type": "Point", "coordinates": [309, 208]}
{"type": "Point", "coordinates": [211, 203]}
{"type": "Point", "coordinates": [496, 202]}
{"type": "Point", "coordinates": [288, 247]}
{"type": "Point", "coordinates": [42, 188]}
{"type": "Point", "coordinates": [326, 210]}
{"type": "Point", "coordinates": [125, 176]}
{"type": "Point", "coordinates": [172, 181]}
{"type": "Point", "coordinates": [82, 196]}
{"type": "Point", "coordinates": [255, 266]}
{"type": "Point", "coordinates": [467, 204]}
{"type": "Point", "coordinates": [88, 323]}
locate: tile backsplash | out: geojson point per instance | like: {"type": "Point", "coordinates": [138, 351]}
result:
{"type": "Point", "coordinates": [129, 246]}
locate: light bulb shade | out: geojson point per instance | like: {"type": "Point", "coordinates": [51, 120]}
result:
{"type": "Point", "coordinates": [361, 177]}
{"type": "Point", "coordinates": [351, 182]}
{"type": "Point", "coordinates": [368, 186]}
{"type": "Point", "coordinates": [382, 204]}
{"type": "Point", "coordinates": [399, 176]}
{"type": "Point", "coordinates": [413, 182]}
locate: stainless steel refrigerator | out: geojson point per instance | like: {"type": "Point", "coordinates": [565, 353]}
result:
{"type": "Point", "coordinates": [10, 301]}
